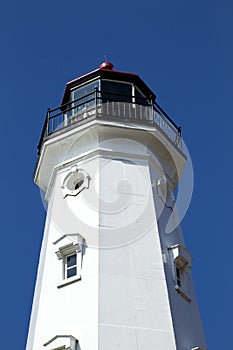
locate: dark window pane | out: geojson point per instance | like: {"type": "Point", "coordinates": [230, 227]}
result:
{"type": "Point", "coordinates": [140, 99]}
{"type": "Point", "coordinates": [71, 260]}
{"type": "Point", "coordinates": [115, 91]}
{"type": "Point", "coordinates": [78, 184]}
{"type": "Point", "coordinates": [80, 93]}
{"type": "Point", "coordinates": [71, 272]}
{"type": "Point", "coordinates": [178, 276]}
{"type": "Point", "coordinates": [84, 90]}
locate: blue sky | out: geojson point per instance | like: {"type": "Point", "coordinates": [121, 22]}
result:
{"type": "Point", "coordinates": [183, 51]}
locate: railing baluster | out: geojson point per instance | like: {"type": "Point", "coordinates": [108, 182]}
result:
{"type": "Point", "coordinates": [96, 92]}
{"type": "Point", "coordinates": [48, 119]}
{"type": "Point", "coordinates": [52, 124]}
{"type": "Point", "coordinates": [88, 105]}
{"type": "Point", "coordinates": [65, 120]}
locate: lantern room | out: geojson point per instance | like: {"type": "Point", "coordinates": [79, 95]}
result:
{"type": "Point", "coordinates": [107, 97]}
{"type": "Point", "coordinates": [110, 95]}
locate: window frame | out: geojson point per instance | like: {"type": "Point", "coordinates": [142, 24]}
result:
{"type": "Point", "coordinates": [77, 176]}
{"type": "Point", "coordinates": [79, 110]}
{"type": "Point", "coordinates": [118, 82]}
{"type": "Point", "coordinates": [133, 95]}
{"type": "Point", "coordinates": [178, 276]}
{"type": "Point", "coordinates": [73, 266]}
{"type": "Point", "coordinates": [63, 253]}
{"type": "Point", "coordinates": [180, 264]}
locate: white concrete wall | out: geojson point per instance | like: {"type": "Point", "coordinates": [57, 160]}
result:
{"type": "Point", "coordinates": [72, 309]}
{"type": "Point", "coordinates": [186, 318]}
{"type": "Point", "coordinates": [134, 311]}
{"type": "Point", "coordinates": [126, 298]}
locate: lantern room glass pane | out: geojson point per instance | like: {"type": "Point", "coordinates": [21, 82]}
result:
{"type": "Point", "coordinates": [140, 99]}
{"type": "Point", "coordinates": [85, 95]}
{"type": "Point", "coordinates": [116, 91]}
{"type": "Point", "coordinates": [84, 90]}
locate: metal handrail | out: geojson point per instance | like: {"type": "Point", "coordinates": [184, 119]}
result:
{"type": "Point", "coordinates": [91, 105]}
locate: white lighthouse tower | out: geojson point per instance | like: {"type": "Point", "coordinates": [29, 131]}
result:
{"type": "Point", "coordinates": [114, 272]}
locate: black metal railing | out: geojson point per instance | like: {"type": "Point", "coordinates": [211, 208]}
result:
{"type": "Point", "coordinates": [107, 105]}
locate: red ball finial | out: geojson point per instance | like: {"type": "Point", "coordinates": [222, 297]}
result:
{"type": "Point", "coordinates": [107, 65]}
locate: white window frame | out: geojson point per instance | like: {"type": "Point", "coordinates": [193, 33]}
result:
{"type": "Point", "coordinates": [67, 268]}
{"type": "Point", "coordinates": [181, 264]}
{"type": "Point", "coordinates": [63, 253]}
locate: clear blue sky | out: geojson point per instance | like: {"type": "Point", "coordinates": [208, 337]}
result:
{"type": "Point", "coordinates": [183, 51]}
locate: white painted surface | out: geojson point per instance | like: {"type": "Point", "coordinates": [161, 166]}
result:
{"type": "Point", "coordinates": [126, 298]}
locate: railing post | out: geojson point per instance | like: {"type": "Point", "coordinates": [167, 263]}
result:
{"type": "Point", "coordinates": [47, 121]}
{"type": "Point", "coordinates": [96, 97]}
{"type": "Point", "coordinates": [180, 138]}
{"type": "Point", "coordinates": [45, 131]}
{"type": "Point", "coordinates": [152, 109]}
{"type": "Point", "coordinates": [65, 119]}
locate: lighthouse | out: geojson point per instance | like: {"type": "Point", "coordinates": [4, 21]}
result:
{"type": "Point", "coordinates": [114, 271]}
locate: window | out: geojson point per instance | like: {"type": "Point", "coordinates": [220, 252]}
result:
{"type": "Point", "coordinates": [85, 95]}
{"type": "Point", "coordinates": [75, 182]}
{"type": "Point", "coordinates": [140, 98]}
{"type": "Point", "coordinates": [178, 276]}
{"type": "Point", "coordinates": [71, 257]}
{"type": "Point", "coordinates": [116, 91]}
{"type": "Point", "coordinates": [181, 264]}
{"type": "Point", "coordinates": [70, 265]}
{"type": "Point", "coordinates": [70, 254]}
